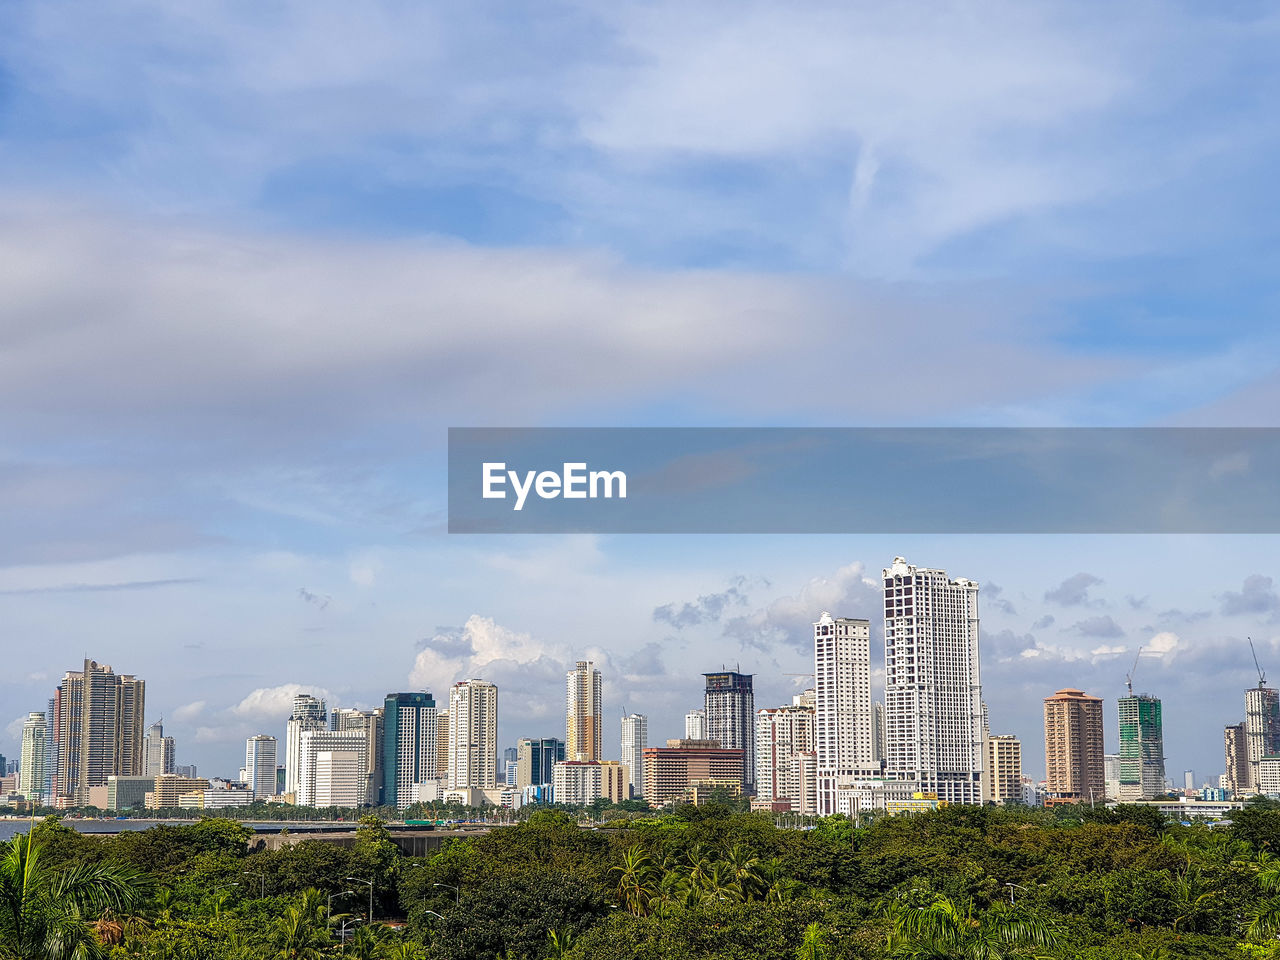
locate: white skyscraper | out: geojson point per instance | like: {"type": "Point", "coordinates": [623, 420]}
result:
{"type": "Point", "coordinates": [844, 718]}
{"type": "Point", "coordinates": [782, 735]}
{"type": "Point", "coordinates": [933, 684]}
{"type": "Point", "coordinates": [31, 765]}
{"type": "Point", "coordinates": [635, 737]}
{"type": "Point", "coordinates": [695, 724]}
{"type": "Point", "coordinates": [328, 781]}
{"type": "Point", "coordinates": [584, 713]}
{"type": "Point", "coordinates": [260, 766]}
{"type": "Point", "coordinates": [158, 751]}
{"type": "Point", "coordinates": [308, 714]}
{"type": "Point", "coordinates": [473, 734]}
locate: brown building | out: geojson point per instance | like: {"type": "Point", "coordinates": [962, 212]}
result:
{"type": "Point", "coordinates": [1073, 748]}
{"type": "Point", "coordinates": [169, 787]}
{"type": "Point", "coordinates": [670, 771]}
{"type": "Point", "coordinates": [1236, 749]}
{"type": "Point", "coordinates": [98, 729]}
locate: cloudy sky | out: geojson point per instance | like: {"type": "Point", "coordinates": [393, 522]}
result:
{"type": "Point", "coordinates": [256, 258]}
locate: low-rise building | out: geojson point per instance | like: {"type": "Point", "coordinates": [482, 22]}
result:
{"type": "Point", "coordinates": [670, 771]}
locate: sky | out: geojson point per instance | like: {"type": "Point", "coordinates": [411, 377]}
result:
{"type": "Point", "coordinates": [255, 259]}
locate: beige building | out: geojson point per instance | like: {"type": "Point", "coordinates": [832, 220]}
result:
{"type": "Point", "coordinates": [1073, 747]}
{"type": "Point", "coordinates": [169, 787]}
{"type": "Point", "coordinates": [670, 771]}
{"type": "Point", "coordinates": [584, 707]}
{"type": "Point", "coordinates": [783, 733]}
{"type": "Point", "coordinates": [1004, 769]}
{"type": "Point", "coordinates": [1236, 750]}
{"type": "Point", "coordinates": [99, 729]}
{"type": "Point", "coordinates": [585, 781]}
{"type": "Point", "coordinates": [473, 735]}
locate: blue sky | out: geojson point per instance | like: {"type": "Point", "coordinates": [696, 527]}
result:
{"type": "Point", "coordinates": [256, 258]}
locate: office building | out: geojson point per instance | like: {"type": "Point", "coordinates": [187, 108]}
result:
{"type": "Point", "coordinates": [260, 766]}
{"type": "Point", "coordinates": [1073, 747]}
{"type": "Point", "coordinates": [167, 788]}
{"type": "Point", "coordinates": [933, 684]}
{"type": "Point", "coordinates": [844, 718]}
{"type": "Point", "coordinates": [309, 714]}
{"type": "Point", "coordinates": [670, 772]}
{"type": "Point", "coordinates": [635, 737]}
{"type": "Point", "coordinates": [372, 724]}
{"type": "Point", "coordinates": [410, 740]}
{"type": "Point", "coordinates": [1141, 748]}
{"type": "Point", "coordinates": [128, 793]}
{"type": "Point", "coordinates": [731, 718]}
{"type": "Point", "coordinates": [509, 766]}
{"type": "Point", "coordinates": [1236, 753]}
{"type": "Point", "coordinates": [1261, 726]}
{"type": "Point", "coordinates": [31, 765]}
{"type": "Point", "coordinates": [1004, 769]}
{"type": "Point", "coordinates": [321, 778]}
{"type": "Point", "coordinates": [442, 747]}
{"type": "Point", "coordinates": [782, 735]}
{"type": "Point", "coordinates": [159, 751]}
{"type": "Point", "coordinates": [584, 698]}
{"type": "Point", "coordinates": [99, 728]}
{"type": "Point", "coordinates": [584, 782]}
{"type": "Point", "coordinates": [536, 759]}
{"type": "Point", "coordinates": [695, 724]}
{"type": "Point", "coordinates": [473, 735]}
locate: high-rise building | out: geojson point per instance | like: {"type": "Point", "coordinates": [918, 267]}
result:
{"type": "Point", "coordinates": [260, 765]}
{"type": "Point", "coordinates": [584, 698]}
{"type": "Point", "coordinates": [671, 771]}
{"type": "Point", "coordinates": [585, 781]}
{"type": "Point", "coordinates": [31, 766]}
{"type": "Point", "coordinates": [159, 751]}
{"type": "Point", "coordinates": [1141, 748]}
{"type": "Point", "coordinates": [473, 734]}
{"type": "Point", "coordinates": [731, 718]}
{"type": "Point", "coordinates": [51, 748]}
{"type": "Point", "coordinates": [1004, 769]}
{"type": "Point", "coordinates": [536, 760]}
{"type": "Point", "coordinates": [635, 737]}
{"type": "Point", "coordinates": [409, 743]}
{"type": "Point", "coordinates": [328, 775]}
{"type": "Point", "coordinates": [878, 720]}
{"type": "Point", "coordinates": [442, 747]}
{"type": "Point", "coordinates": [509, 766]}
{"type": "Point", "coordinates": [371, 723]}
{"type": "Point", "coordinates": [933, 683]}
{"type": "Point", "coordinates": [782, 734]}
{"type": "Point", "coordinates": [1073, 747]}
{"type": "Point", "coordinates": [695, 724]}
{"type": "Point", "coordinates": [309, 713]}
{"type": "Point", "coordinates": [1111, 775]}
{"type": "Point", "coordinates": [844, 719]}
{"type": "Point", "coordinates": [1188, 779]}
{"type": "Point", "coordinates": [99, 729]}
{"type": "Point", "coordinates": [1236, 751]}
{"type": "Point", "coordinates": [1261, 726]}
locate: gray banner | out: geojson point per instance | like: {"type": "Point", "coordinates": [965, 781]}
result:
{"type": "Point", "coordinates": [864, 480]}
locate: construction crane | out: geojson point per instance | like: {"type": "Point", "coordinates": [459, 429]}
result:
{"type": "Point", "coordinates": [1128, 677]}
{"type": "Point", "coordinates": [1262, 677]}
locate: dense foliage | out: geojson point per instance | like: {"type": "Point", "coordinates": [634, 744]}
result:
{"type": "Point", "coordinates": [705, 882]}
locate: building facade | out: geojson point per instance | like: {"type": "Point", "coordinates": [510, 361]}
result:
{"type": "Point", "coordinates": [1141, 748]}
{"type": "Point", "coordinates": [731, 718]}
{"type": "Point", "coordinates": [1004, 769]}
{"type": "Point", "coordinates": [933, 683]}
{"type": "Point", "coordinates": [585, 781]}
{"type": "Point", "coordinates": [536, 759]}
{"type": "Point", "coordinates": [409, 742]}
{"type": "Point", "coordinates": [844, 717]}
{"type": "Point", "coordinates": [372, 724]}
{"type": "Point", "coordinates": [1261, 726]}
{"type": "Point", "coordinates": [1236, 755]}
{"type": "Point", "coordinates": [635, 737]}
{"type": "Point", "coordinates": [308, 713]}
{"type": "Point", "coordinates": [159, 751]}
{"type": "Point", "coordinates": [99, 727]}
{"type": "Point", "coordinates": [695, 724]}
{"type": "Point", "coordinates": [31, 762]}
{"type": "Point", "coordinates": [323, 779]}
{"type": "Point", "coordinates": [670, 771]}
{"type": "Point", "coordinates": [584, 712]}
{"type": "Point", "coordinates": [260, 766]}
{"type": "Point", "coordinates": [1073, 747]}
{"type": "Point", "coordinates": [473, 735]}
{"type": "Point", "coordinates": [783, 734]}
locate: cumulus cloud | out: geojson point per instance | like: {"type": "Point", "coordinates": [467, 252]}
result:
{"type": "Point", "coordinates": [846, 593]}
{"type": "Point", "coordinates": [1103, 626]}
{"type": "Point", "coordinates": [189, 711]}
{"type": "Point", "coordinates": [275, 703]}
{"type": "Point", "coordinates": [707, 608]}
{"type": "Point", "coordinates": [1073, 591]}
{"type": "Point", "coordinates": [993, 594]}
{"type": "Point", "coordinates": [1257, 595]}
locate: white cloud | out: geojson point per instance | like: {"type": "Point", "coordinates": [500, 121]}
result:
{"type": "Point", "coordinates": [189, 711]}
{"type": "Point", "coordinates": [275, 703]}
{"type": "Point", "coordinates": [1162, 645]}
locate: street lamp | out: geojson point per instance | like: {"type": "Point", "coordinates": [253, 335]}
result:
{"type": "Point", "coordinates": [1012, 887]}
{"type": "Point", "coordinates": [329, 910]}
{"type": "Point", "coordinates": [457, 894]}
{"type": "Point", "coordinates": [369, 883]}
{"type": "Point", "coordinates": [262, 883]}
{"type": "Point", "coordinates": [432, 913]}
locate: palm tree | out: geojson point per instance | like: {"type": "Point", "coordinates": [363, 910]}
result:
{"type": "Point", "coordinates": [299, 934]}
{"type": "Point", "coordinates": [47, 914]}
{"type": "Point", "coordinates": [365, 945]}
{"type": "Point", "coordinates": [636, 887]}
{"type": "Point", "coordinates": [814, 945]}
{"type": "Point", "coordinates": [944, 930]}
{"type": "Point", "coordinates": [748, 872]}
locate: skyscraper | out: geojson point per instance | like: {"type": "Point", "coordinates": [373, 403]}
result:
{"type": "Point", "coordinates": [409, 744]}
{"type": "Point", "coordinates": [260, 765]}
{"type": "Point", "coordinates": [1073, 747]}
{"type": "Point", "coordinates": [442, 746]}
{"type": "Point", "coordinates": [1261, 726]}
{"type": "Point", "coordinates": [695, 724]}
{"type": "Point", "coordinates": [309, 713]}
{"type": "Point", "coordinates": [1141, 748]}
{"type": "Point", "coordinates": [782, 734]}
{"type": "Point", "coordinates": [159, 751]}
{"type": "Point", "coordinates": [1236, 754]}
{"type": "Point", "coordinates": [371, 723]}
{"type": "Point", "coordinates": [844, 719]}
{"type": "Point", "coordinates": [635, 737]}
{"type": "Point", "coordinates": [99, 728]}
{"type": "Point", "coordinates": [473, 734]}
{"type": "Point", "coordinates": [731, 718]}
{"type": "Point", "coordinates": [584, 696]}
{"type": "Point", "coordinates": [933, 683]}
{"type": "Point", "coordinates": [1004, 769]}
{"type": "Point", "coordinates": [333, 770]}
{"type": "Point", "coordinates": [31, 764]}
{"type": "Point", "coordinates": [536, 760]}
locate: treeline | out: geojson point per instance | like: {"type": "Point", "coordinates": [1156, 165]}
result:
{"type": "Point", "coordinates": [703, 882]}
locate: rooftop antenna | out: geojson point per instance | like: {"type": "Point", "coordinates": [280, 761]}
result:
{"type": "Point", "coordinates": [1262, 677]}
{"type": "Point", "coordinates": [1128, 677]}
